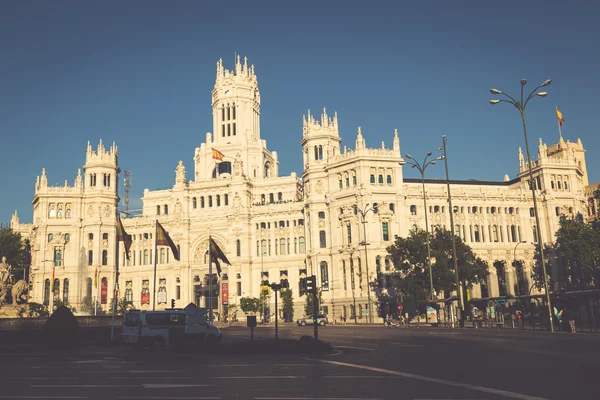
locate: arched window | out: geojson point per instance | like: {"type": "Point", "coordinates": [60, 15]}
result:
{"type": "Point", "coordinates": [324, 276]}
{"type": "Point", "coordinates": [263, 199]}
{"type": "Point", "coordinates": [279, 196]}
{"type": "Point", "coordinates": [316, 153]}
{"type": "Point", "coordinates": [380, 179]}
{"type": "Point", "coordinates": [47, 292]}
{"type": "Point", "coordinates": [301, 245]}
{"type": "Point", "coordinates": [413, 210]}
{"type": "Point", "coordinates": [226, 199]}
{"type": "Point", "coordinates": [158, 210]}
{"type": "Point", "coordinates": [392, 207]}
{"type": "Point", "coordinates": [557, 211]}
{"type": "Point", "coordinates": [166, 209]}
{"type": "Point", "coordinates": [372, 178]}
{"type": "Point", "coordinates": [50, 237]}
{"type": "Point", "coordinates": [194, 203]}
{"type": "Point", "coordinates": [68, 213]}
{"type": "Point", "coordinates": [56, 292]}
{"type": "Point", "coordinates": [271, 198]}
{"type": "Point", "coordinates": [104, 291]}
{"type": "Point", "coordinates": [218, 200]}
{"type": "Point", "coordinates": [65, 299]}
{"type": "Point", "coordinates": [104, 257]}
{"type": "Point", "coordinates": [210, 201]}
{"type": "Point", "coordinates": [238, 248]}
{"type": "Point", "coordinates": [60, 213]}
{"type": "Point", "coordinates": [52, 212]}
{"type": "Point", "coordinates": [320, 152]}
{"type": "Point", "coordinates": [389, 179]}
{"type": "Point", "coordinates": [67, 237]}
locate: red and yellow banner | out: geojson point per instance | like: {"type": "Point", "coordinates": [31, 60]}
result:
{"type": "Point", "coordinates": [163, 239]}
{"type": "Point", "coordinates": [561, 120]}
{"type": "Point", "coordinates": [217, 155]}
{"type": "Point", "coordinates": [225, 293]}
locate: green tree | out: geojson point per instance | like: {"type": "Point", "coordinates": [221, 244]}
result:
{"type": "Point", "coordinates": [411, 272]}
{"type": "Point", "coordinates": [88, 306]}
{"type": "Point", "coordinates": [249, 304]}
{"type": "Point", "coordinates": [122, 306]}
{"type": "Point", "coordinates": [11, 247]}
{"type": "Point", "coordinates": [287, 301]}
{"type": "Point", "coordinates": [573, 260]}
{"type": "Point", "coordinates": [308, 306]}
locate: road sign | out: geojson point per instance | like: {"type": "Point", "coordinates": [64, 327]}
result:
{"type": "Point", "coordinates": [400, 307]}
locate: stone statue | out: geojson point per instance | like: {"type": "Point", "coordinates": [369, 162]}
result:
{"type": "Point", "coordinates": [19, 292]}
{"type": "Point", "coordinates": [5, 269]}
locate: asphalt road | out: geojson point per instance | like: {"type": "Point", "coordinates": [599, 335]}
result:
{"type": "Point", "coordinates": [370, 363]}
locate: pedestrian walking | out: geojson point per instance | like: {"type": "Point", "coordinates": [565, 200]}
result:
{"type": "Point", "coordinates": [519, 317]}
{"type": "Point", "coordinates": [568, 315]}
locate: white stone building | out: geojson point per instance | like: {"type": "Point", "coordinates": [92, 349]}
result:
{"type": "Point", "coordinates": [258, 217]}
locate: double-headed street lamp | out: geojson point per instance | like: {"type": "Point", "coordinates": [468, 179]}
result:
{"type": "Point", "coordinates": [422, 167]}
{"type": "Point", "coordinates": [520, 105]}
{"type": "Point", "coordinates": [363, 213]}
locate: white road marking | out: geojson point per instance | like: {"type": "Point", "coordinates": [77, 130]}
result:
{"type": "Point", "coordinates": [171, 398]}
{"type": "Point", "coordinates": [171, 385]}
{"type": "Point", "coordinates": [43, 397]}
{"type": "Point", "coordinates": [82, 386]}
{"type": "Point", "coordinates": [260, 377]}
{"type": "Point", "coordinates": [230, 365]}
{"type": "Point", "coordinates": [357, 377]}
{"type": "Point", "coordinates": [318, 398]}
{"type": "Point", "coordinates": [436, 380]}
{"type": "Point", "coordinates": [145, 371]}
{"type": "Point", "coordinates": [145, 377]}
{"type": "Point", "coordinates": [48, 378]}
{"type": "Point", "coordinates": [406, 344]}
{"type": "Point", "coordinates": [358, 348]}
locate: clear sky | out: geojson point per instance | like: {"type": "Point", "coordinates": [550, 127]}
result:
{"type": "Point", "coordinates": [140, 73]}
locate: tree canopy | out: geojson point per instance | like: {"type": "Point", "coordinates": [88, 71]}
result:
{"type": "Point", "coordinates": [411, 271]}
{"type": "Point", "coordinates": [11, 246]}
{"type": "Point", "coordinates": [574, 257]}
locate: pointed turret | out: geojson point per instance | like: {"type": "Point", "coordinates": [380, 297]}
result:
{"type": "Point", "coordinates": [396, 142]}
{"type": "Point", "coordinates": [360, 141]}
{"type": "Point", "coordinates": [521, 158]}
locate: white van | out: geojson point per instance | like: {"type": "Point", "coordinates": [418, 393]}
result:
{"type": "Point", "coordinates": [169, 327]}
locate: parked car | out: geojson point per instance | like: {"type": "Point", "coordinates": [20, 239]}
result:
{"type": "Point", "coordinates": [309, 320]}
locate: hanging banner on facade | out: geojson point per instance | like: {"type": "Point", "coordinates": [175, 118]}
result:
{"type": "Point", "coordinates": [104, 291]}
{"type": "Point", "coordinates": [225, 293]}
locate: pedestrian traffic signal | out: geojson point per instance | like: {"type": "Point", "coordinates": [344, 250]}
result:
{"type": "Point", "coordinates": [302, 286]}
{"type": "Point", "coordinates": [172, 303]}
{"type": "Point", "coordinates": [311, 284]}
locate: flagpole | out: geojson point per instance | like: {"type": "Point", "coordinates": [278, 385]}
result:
{"type": "Point", "coordinates": [558, 121]}
{"type": "Point", "coordinates": [210, 309]}
{"type": "Point", "coordinates": [115, 292]}
{"type": "Point", "coordinates": [155, 247]}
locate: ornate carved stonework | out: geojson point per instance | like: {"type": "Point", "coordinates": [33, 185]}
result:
{"type": "Point", "coordinates": [91, 211]}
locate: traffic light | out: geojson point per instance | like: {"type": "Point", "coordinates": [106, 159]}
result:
{"type": "Point", "coordinates": [302, 286]}
{"type": "Point", "coordinates": [311, 284]}
{"type": "Point", "coordinates": [172, 303]}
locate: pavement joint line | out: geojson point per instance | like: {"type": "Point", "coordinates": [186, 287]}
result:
{"type": "Point", "coordinates": [169, 398]}
{"type": "Point", "coordinates": [484, 389]}
{"type": "Point", "coordinates": [43, 397]}
{"type": "Point", "coordinates": [143, 377]}
{"type": "Point", "coordinates": [173, 385]}
{"type": "Point", "coordinates": [318, 398]}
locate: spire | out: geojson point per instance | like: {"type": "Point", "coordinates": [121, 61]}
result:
{"type": "Point", "coordinates": [521, 158]}
{"type": "Point", "coordinates": [78, 179]}
{"type": "Point", "coordinates": [238, 66]}
{"type": "Point", "coordinates": [360, 141]}
{"type": "Point", "coordinates": [43, 178]}
{"type": "Point", "coordinates": [396, 143]}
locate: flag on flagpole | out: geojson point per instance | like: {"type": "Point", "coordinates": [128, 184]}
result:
{"type": "Point", "coordinates": [96, 277]}
{"type": "Point", "coordinates": [122, 236]}
{"type": "Point", "coordinates": [163, 239]}
{"type": "Point", "coordinates": [217, 254]}
{"type": "Point", "coordinates": [217, 155]}
{"type": "Point", "coordinates": [561, 120]}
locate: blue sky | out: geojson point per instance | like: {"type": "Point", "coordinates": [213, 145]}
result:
{"type": "Point", "coordinates": [140, 73]}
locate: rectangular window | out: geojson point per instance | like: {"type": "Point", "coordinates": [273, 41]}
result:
{"type": "Point", "coordinates": [349, 233]}
{"type": "Point", "coordinates": [239, 288]}
{"type": "Point", "coordinates": [228, 129]}
{"type": "Point", "coordinates": [177, 292]}
{"type": "Point", "coordinates": [223, 130]}
{"type": "Point", "coordinates": [344, 272]}
{"type": "Point", "coordinates": [57, 257]}
{"type": "Point", "coordinates": [386, 232]}
{"type": "Point", "coordinates": [354, 180]}
{"type": "Point", "coordinates": [322, 239]}
{"type": "Point", "coordinates": [234, 131]}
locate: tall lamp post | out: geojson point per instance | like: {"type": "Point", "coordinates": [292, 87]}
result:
{"type": "Point", "coordinates": [520, 105]}
{"type": "Point", "coordinates": [515, 266]}
{"type": "Point", "coordinates": [461, 321]}
{"type": "Point", "coordinates": [363, 213]}
{"type": "Point", "coordinates": [421, 168]}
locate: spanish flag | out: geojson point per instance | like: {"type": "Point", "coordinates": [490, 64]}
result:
{"type": "Point", "coordinates": [217, 155]}
{"type": "Point", "coordinates": [163, 239]}
{"type": "Point", "coordinates": [122, 236]}
{"type": "Point", "coordinates": [561, 120]}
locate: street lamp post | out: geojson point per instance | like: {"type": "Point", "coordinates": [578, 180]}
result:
{"type": "Point", "coordinates": [520, 105]}
{"type": "Point", "coordinates": [421, 168]}
{"type": "Point", "coordinates": [363, 213]}
{"type": "Point", "coordinates": [515, 266]}
{"type": "Point", "coordinates": [461, 321]}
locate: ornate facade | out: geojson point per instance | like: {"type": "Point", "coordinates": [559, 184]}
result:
{"type": "Point", "coordinates": [281, 227]}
